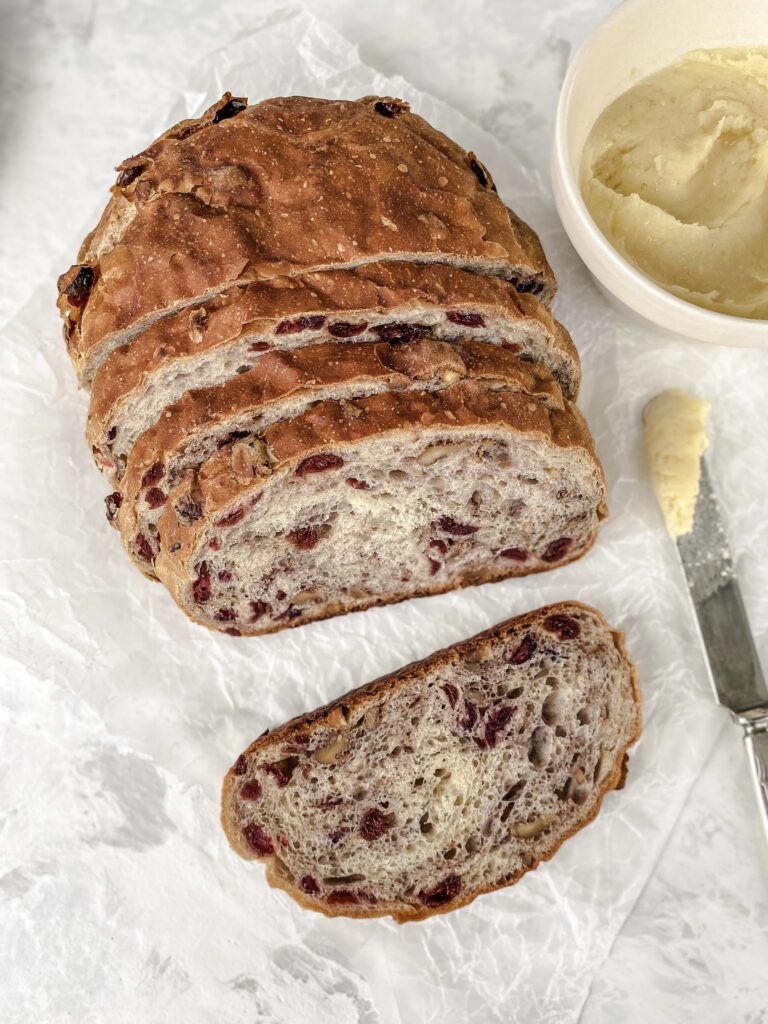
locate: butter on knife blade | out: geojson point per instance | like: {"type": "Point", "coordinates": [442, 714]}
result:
{"type": "Point", "coordinates": [675, 439]}
{"type": "Point", "coordinates": [675, 436]}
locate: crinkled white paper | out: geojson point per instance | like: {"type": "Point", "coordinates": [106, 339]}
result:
{"type": "Point", "coordinates": [121, 900]}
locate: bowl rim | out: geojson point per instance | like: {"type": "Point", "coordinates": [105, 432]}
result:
{"type": "Point", "coordinates": [708, 318]}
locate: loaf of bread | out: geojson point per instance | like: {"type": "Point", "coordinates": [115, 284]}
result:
{"type": "Point", "coordinates": [323, 371]}
{"type": "Point", "coordinates": [415, 794]}
{"type": "Point", "coordinates": [282, 385]}
{"type": "Point", "coordinates": [284, 186]}
{"type": "Point", "coordinates": [370, 501]}
{"type": "Point", "coordinates": [210, 344]}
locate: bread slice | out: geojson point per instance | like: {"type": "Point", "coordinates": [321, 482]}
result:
{"type": "Point", "coordinates": [451, 778]}
{"type": "Point", "coordinates": [283, 385]}
{"type": "Point", "coordinates": [212, 343]}
{"type": "Point", "coordinates": [282, 187]}
{"type": "Point", "coordinates": [360, 503]}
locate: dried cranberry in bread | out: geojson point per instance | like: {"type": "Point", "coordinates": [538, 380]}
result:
{"type": "Point", "coordinates": [283, 385]}
{"type": "Point", "coordinates": [360, 503]}
{"type": "Point", "coordinates": [415, 794]}
{"type": "Point", "coordinates": [282, 187]}
{"type": "Point", "coordinates": [391, 301]}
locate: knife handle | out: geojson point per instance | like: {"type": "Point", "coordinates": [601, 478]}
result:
{"type": "Point", "coordinates": [756, 739]}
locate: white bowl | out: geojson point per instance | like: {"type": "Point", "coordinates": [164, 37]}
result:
{"type": "Point", "coordinates": [638, 38]}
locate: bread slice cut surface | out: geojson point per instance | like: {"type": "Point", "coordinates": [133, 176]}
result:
{"type": "Point", "coordinates": [282, 385]}
{"type": "Point", "coordinates": [366, 502]}
{"type": "Point", "coordinates": [212, 343]}
{"type": "Point", "coordinates": [413, 795]}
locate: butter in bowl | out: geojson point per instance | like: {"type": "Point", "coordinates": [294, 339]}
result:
{"type": "Point", "coordinates": [660, 165]}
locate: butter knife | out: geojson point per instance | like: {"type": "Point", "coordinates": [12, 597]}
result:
{"type": "Point", "coordinates": [734, 667]}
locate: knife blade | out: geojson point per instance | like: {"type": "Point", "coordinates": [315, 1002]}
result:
{"type": "Point", "coordinates": [734, 667]}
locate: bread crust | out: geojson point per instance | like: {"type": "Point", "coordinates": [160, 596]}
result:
{"type": "Point", "coordinates": [349, 294]}
{"type": "Point", "coordinates": [237, 474]}
{"type": "Point", "coordinates": [281, 375]}
{"type": "Point", "coordinates": [214, 201]}
{"type": "Point", "coordinates": [359, 698]}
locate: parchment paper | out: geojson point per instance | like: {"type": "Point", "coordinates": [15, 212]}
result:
{"type": "Point", "coordinates": [121, 899]}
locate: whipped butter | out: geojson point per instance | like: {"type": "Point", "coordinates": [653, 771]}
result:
{"type": "Point", "coordinates": [675, 174]}
{"type": "Point", "coordinates": [675, 439]}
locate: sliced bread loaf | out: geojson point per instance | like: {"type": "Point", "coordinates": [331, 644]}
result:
{"type": "Point", "coordinates": [360, 503]}
{"type": "Point", "coordinates": [283, 187]}
{"type": "Point", "coordinates": [283, 385]}
{"type": "Point", "coordinates": [415, 794]}
{"type": "Point", "coordinates": [211, 344]}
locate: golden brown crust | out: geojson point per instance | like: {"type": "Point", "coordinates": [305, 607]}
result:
{"type": "Point", "coordinates": [260, 306]}
{"type": "Point", "coordinates": [359, 698]}
{"type": "Point", "coordinates": [299, 372]}
{"type": "Point", "coordinates": [393, 106]}
{"type": "Point", "coordinates": [285, 186]}
{"type": "Point", "coordinates": [529, 239]}
{"type": "Point", "coordinates": [237, 473]}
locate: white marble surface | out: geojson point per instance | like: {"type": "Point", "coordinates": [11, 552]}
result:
{"type": "Point", "coordinates": [78, 81]}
